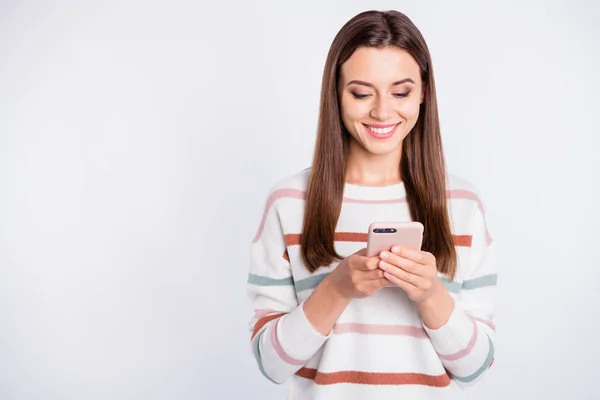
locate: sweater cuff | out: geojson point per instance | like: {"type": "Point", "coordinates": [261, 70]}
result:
{"type": "Point", "coordinates": [455, 335]}
{"type": "Point", "coordinates": [298, 338]}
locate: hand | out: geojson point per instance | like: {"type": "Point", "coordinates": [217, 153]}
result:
{"type": "Point", "coordinates": [414, 271]}
{"type": "Point", "coordinates": [358, 276]}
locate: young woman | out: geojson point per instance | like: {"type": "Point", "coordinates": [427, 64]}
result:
{"type": "Point", "coordinates": [404, 324]}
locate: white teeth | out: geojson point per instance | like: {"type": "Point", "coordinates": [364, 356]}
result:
{"type": "Point", "coordinates": [382, 131]}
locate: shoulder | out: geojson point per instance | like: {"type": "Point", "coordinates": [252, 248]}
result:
{"type": "Point", "coordinates": [295, 182]}
{"type": "Point", "coordinates": [468, 212]}
{"type": "Point", "coordinates": [457, 183]}
{"type": "Point", "coordinates": [463, 192]}
{"type": "Point", "coordinates": [460, 187]}
{"type": "Point", "coordinates": [288, 190]}
{"type": "Point", "coordinates": [284, 202]}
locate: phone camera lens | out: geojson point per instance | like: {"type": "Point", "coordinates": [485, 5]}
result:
{"type": "Point", "coordinates": [393, 230]}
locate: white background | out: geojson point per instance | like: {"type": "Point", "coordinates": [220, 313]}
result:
{"type": "Point", "coordinates": [138, 141]}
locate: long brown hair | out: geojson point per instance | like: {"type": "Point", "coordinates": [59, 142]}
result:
{"type": "Point", "coordinates": [422, 164]}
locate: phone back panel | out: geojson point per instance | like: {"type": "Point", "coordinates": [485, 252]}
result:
{"type": "Point", "coordinates": [407, 234]}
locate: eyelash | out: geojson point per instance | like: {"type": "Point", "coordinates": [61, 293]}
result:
{"type": "Point", "coordinates": [364, 96]}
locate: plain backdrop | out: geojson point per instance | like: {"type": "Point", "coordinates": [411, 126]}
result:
{"type": "Point", "coordinates": [138, 141]}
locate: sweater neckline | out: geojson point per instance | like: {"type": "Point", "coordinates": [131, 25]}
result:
{"type": "Point", "coordinates": [386, 192]}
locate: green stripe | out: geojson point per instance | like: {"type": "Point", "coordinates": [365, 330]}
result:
{"type": "Point", "coordinates": [257, 355]}
{"type": "Point", "coordinates": [452, 287]}
{"type": "Point", "coordinates": [482, 281]}
{"type": "Point", "coordinates": [313, 281]}
{"type": "Point", "coordinates": [266, 281]}
{"type": "Point", "coordinates": [309, 283]}
{"type": "Point", "coordinates": [486, 365]}
{"type": "Point", "coordinates": [469, 284]}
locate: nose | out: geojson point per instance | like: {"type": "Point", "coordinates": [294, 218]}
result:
{"type": "Point", "coordinates": [381, 109]}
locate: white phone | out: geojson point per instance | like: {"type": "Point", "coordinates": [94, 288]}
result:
{"type": "Point", "coordinates": [385, 235]}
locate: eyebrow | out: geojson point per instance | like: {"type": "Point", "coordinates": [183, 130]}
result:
{"type": "Point", "coordinates": [363, 83]}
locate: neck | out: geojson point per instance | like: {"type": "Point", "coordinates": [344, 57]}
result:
{"type": "Point", "coordinates": [367, 169]}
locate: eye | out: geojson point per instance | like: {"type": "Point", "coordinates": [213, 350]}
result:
{"type": "Point", "coordinates": [359, 95]}
{"type": "Point", "coordinates": [401, 95]}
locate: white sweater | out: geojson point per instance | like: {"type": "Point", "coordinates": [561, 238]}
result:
{"type": "Point", "coordinates": [379, 347]}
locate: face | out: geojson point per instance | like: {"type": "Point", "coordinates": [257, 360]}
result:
{"type": "Point", "coordinates": [380, 94]}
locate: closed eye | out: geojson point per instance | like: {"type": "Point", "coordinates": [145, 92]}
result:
{"type": "Point", "coordinates": [364, 96]}
{"type": "Point", "coordinates": [360, 96]}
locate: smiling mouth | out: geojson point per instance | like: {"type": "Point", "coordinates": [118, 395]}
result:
{"type": "Point", "coordinates": [381, 131]}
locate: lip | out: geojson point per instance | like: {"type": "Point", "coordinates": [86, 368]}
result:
{"type": "Point", "coordinates": [379, 126]}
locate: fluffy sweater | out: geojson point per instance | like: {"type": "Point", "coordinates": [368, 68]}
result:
{"type": "Point", "coordinates": [379, 348]}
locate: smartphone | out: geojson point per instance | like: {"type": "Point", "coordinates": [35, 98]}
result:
{"type": "Point", "coordinates": [385, 235]}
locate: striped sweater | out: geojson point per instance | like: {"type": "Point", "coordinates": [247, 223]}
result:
{"type": "Point", "coordinates": [379, 347]}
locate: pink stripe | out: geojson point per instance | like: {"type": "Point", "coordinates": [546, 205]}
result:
{"type": "Point", "coordinates": [465, 351]}
{"type": "Point", "coordinates": [468, 195]}
{"type": "Point", "coordinates": [484, 321]}
{"type": "Point", "coordinates": [369, 329]}
{"type": "Point", "coordinates": [280, 352]}
{"type": "Point", "coordinates": [278, 194]}
{"type": "Point", "coordinates": [261, 312]}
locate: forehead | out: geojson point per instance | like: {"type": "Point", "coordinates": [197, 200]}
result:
{"type": "Point", "coordinates": [380, 65]}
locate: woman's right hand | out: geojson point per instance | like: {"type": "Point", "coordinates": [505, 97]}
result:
{"type": "Point", "coordinates": [358, 276]}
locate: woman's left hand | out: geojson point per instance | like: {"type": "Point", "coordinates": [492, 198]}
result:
{"type": "Point", "coordinates": [414, 271]}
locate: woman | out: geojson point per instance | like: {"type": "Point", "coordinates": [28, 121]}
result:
{"type": "Point", "coordinates": [404, 324]}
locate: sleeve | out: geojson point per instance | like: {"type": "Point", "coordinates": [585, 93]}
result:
{"type": "Point", "coordinates": [282, 339]}
{"type": "Point", "coordinates": [465, 344]}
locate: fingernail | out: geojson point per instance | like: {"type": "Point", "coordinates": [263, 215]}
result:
{"type": "Point", "coordinates": [382, 264]}
{"type": "Point", "coordinates": [385, 255]}
{"type": "Point", "coordinates": [396, 249]}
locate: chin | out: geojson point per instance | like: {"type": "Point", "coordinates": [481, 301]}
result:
{"type": "Point", "coordinates": [383, 149]}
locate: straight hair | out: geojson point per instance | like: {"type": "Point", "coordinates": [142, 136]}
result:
{"type": "Point", "coordinates": [422, 164]}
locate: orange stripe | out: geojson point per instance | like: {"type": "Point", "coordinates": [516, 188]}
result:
{"type": "Point", "coordinates": [462, 240]}
{"type": "Point", "coordinates": [261, 322]}
{"type": "Point", "coordinates": [307, 373]}
{"type": "Point", "coordinates": [300, 194]}
{"type": "Point", "coordinates": [294, 239]}
{"type": "Point", "coordinates": [373, 378]}
{"type": "Point", "coordinates": [350, 237]}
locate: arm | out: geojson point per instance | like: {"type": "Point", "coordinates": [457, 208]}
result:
{"type": "Point", "coordinates": [462, 331]}
{"type": "Point", "coordinates": [285, 334]}
{"type": "Point", "coordinates": [325, 305]}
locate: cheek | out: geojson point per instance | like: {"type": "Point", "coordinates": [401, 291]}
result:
{"type": "Point", "coordinates": [410, 109]}
{"type": "Point", "coordinates": [353, 110]}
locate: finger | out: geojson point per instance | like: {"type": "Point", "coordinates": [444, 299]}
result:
{"type": "Point", "coordinates": [400, 273]}
{"type": "Point", "coordinates": [404, 263]}
{"type": "Point", "coordinates": [418, 256]}
{"type": "Point", "coordinates": [362, 252]}
{"type": "Point", "coordinates": [358, 262]}
{"type": "Point", "coordinates": [369, 263]}
{"type": "Point", "coordinates": [374, 275]}
{"type": "Point", "coordinates": [407, 287]}
{"type": "Point", "coordinates": [382, 282]}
